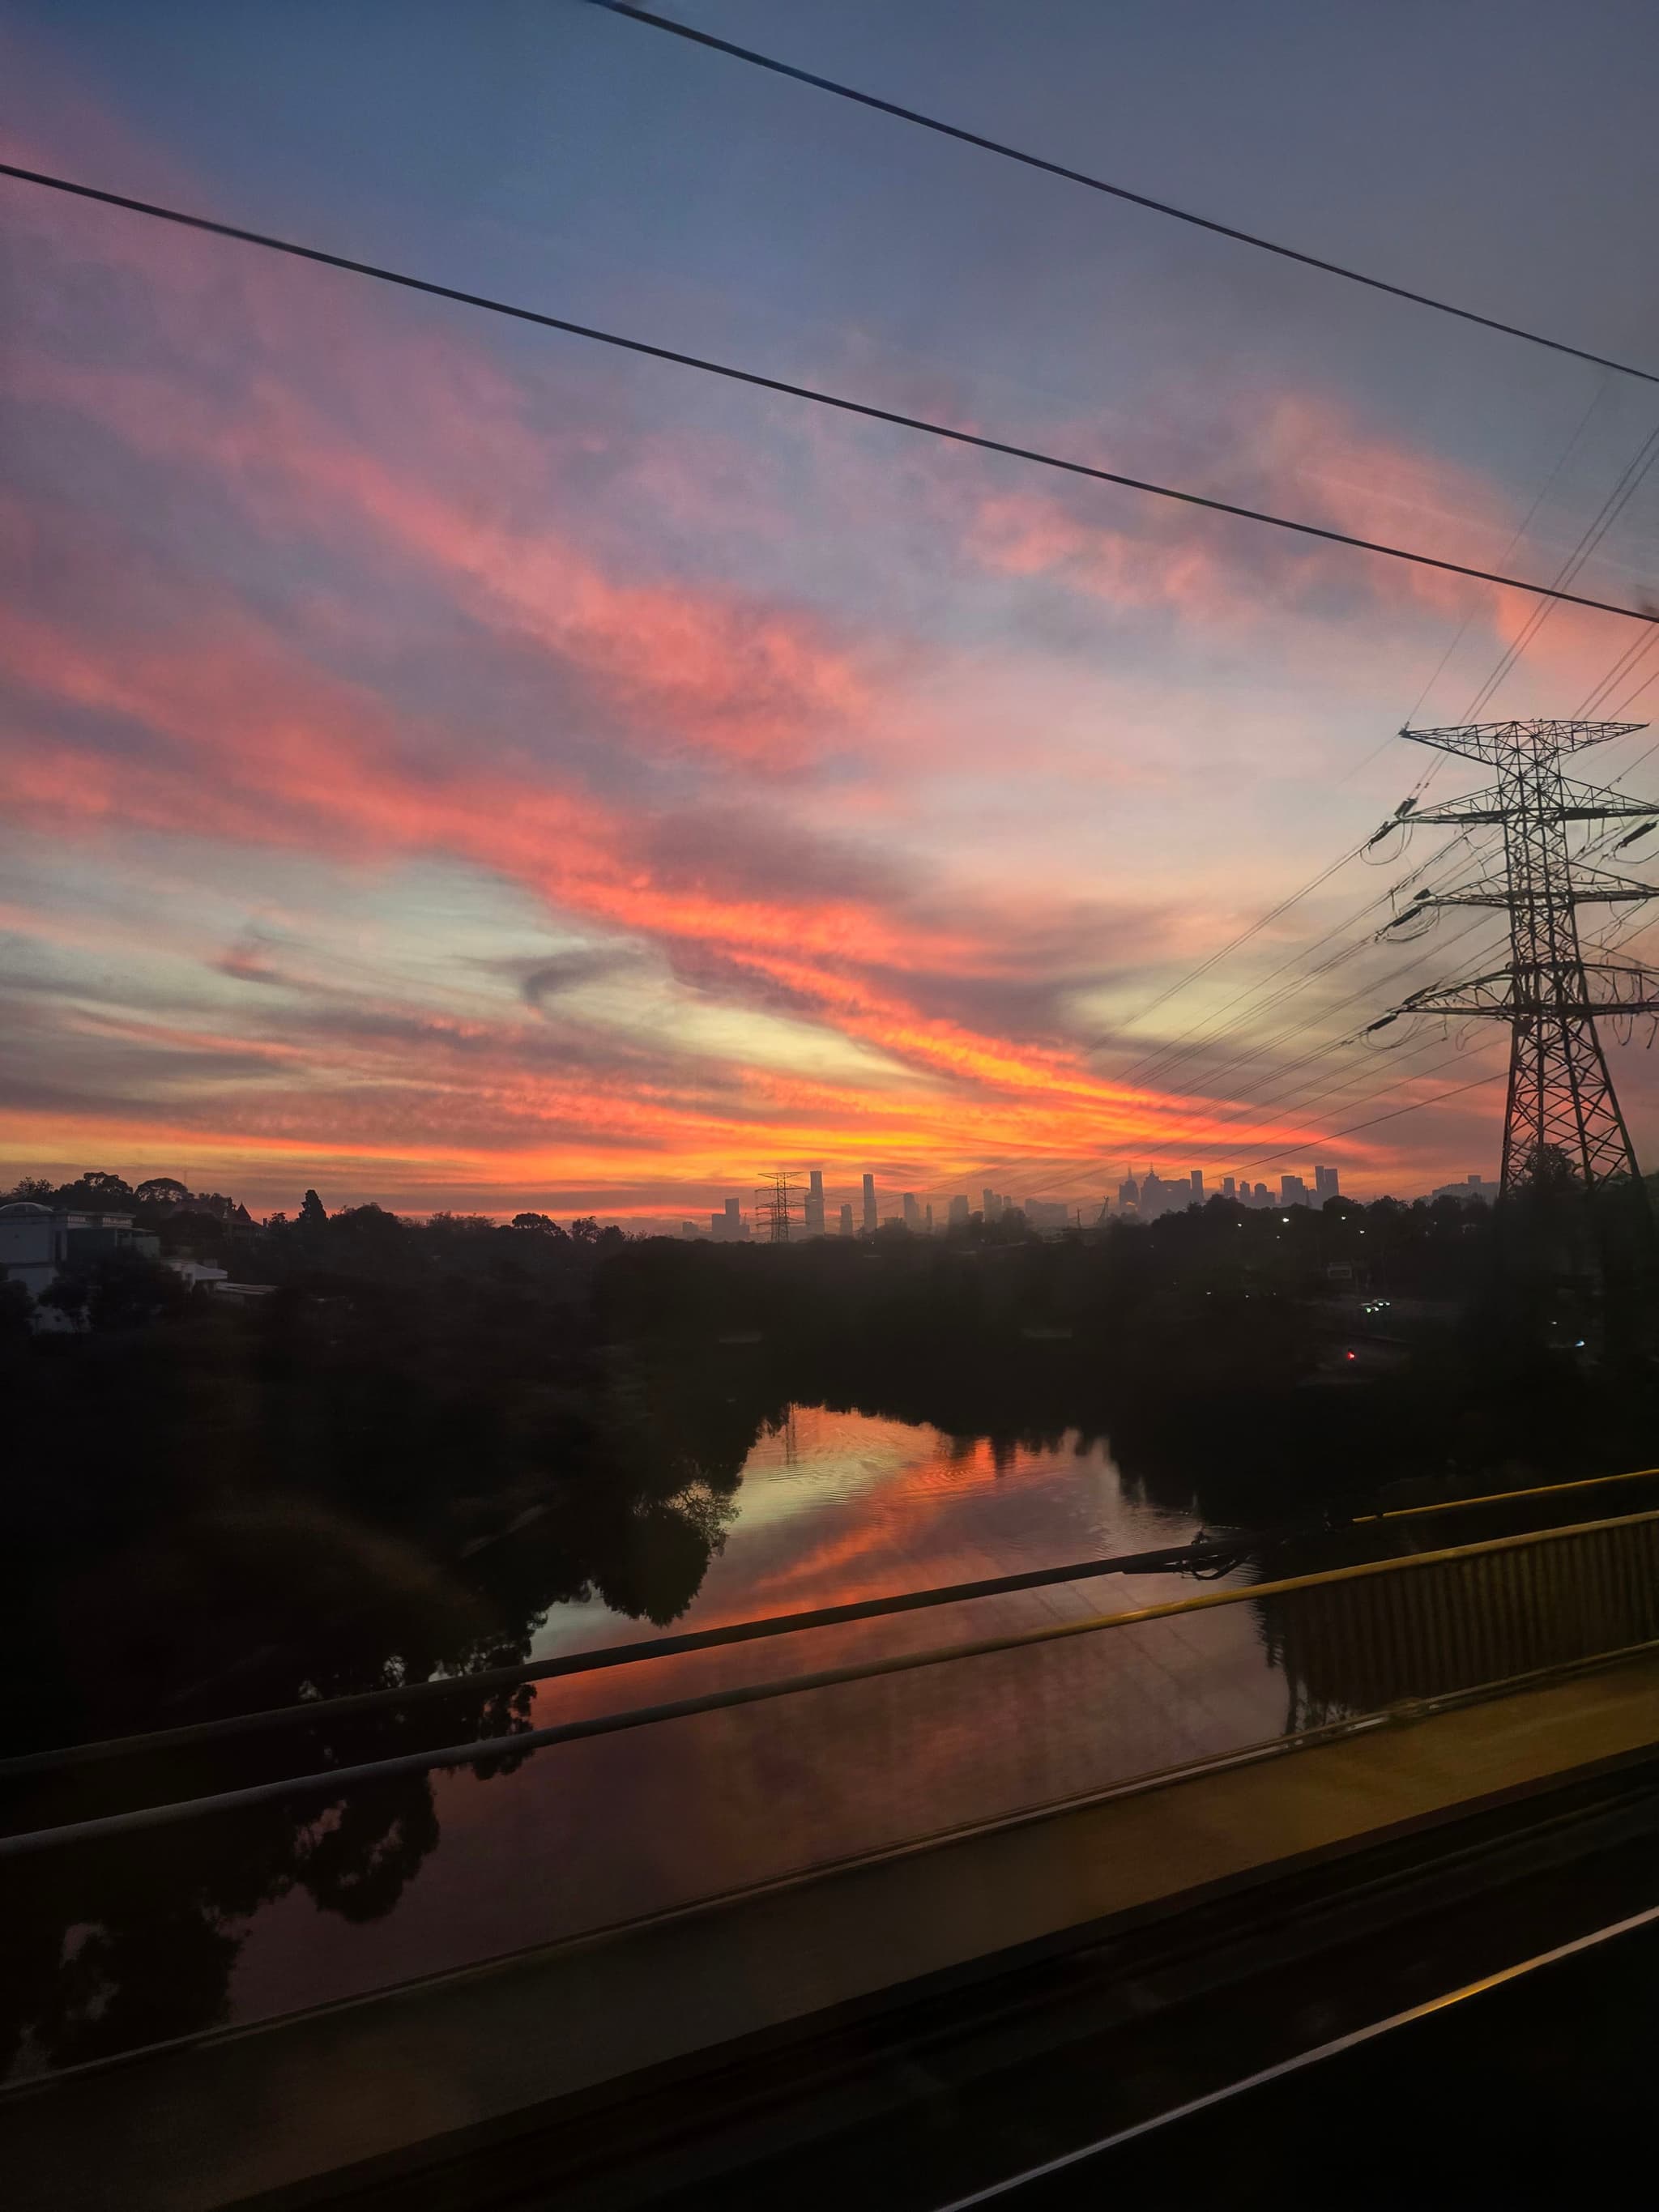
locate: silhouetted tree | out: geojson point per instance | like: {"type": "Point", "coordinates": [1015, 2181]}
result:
{"type": "Point", "coordinates": [161, 1190]}
{"type": "Point", "coordinates": [117, 1289]}
{"type": "Point", "coordinates": [96, 1191]}
{"type": "Point", "coordinates": [32, 1190]}
{"type": "Point", "coordinates": [313, 1214]}
{"type": "Point", "coordinates": [68, 1295]}
{"type": "Point", "coordinates": [542, 1225]}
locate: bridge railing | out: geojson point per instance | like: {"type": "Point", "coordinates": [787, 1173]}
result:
{"type": "Point", "coordinates": [1474, 1616]}
{"type": "Point", "coordinates": [719, 1779]}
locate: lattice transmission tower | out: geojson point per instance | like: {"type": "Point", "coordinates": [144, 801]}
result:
{"type": "Point", "coordinates": [1562, 1121]}
{"type": "Point", "coordinates": [776, 1203]}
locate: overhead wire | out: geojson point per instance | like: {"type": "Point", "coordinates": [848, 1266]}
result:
{"type": "Point", "coordinates": [1357, 851]}
{"type": "Point", "coordinates": [1239, 1098]}
{"type": "Point", "coordinates": [1551, 595]}
{"type": "Point", "coordinates": [1601, 523]}
{"type": "Point", "coordinates": [1237, 1101]}
{"type": "Point", "coordinates": [1509, 551]}
{"type": "Point", "coordinates": [1612, 506]}
{"type": "Point", "coordinates": [1262, 922]}
{"type": "Point", "coordinates": [755, 380]}
{"type": "Point", "coordinates": [904, 114]}
{"type": "Point", "coordinates": [1158, 1063]}
{"type": "Point", "coordinates": [1330, 1136]}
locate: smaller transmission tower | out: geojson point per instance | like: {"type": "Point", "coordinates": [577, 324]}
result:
{"type": "Point", "coordinates": [1562, 1119]}
{"type": "Point", "coordinates": [775, 1204]}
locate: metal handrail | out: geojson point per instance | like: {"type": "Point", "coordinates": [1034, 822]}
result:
{"type": "Point", "coordinates": [1179, 1558]}
{"type": "Point", "coordinates": [1503, 1496]}
{"type": "Point", "coordinates": [332, 1779]}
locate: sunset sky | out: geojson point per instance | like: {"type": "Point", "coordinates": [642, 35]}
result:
{"type": "Point", "coordinates": [453, 764]}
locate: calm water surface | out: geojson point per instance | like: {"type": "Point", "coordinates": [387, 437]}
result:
{"type": "Point", "coordinates": [833, 1506]}
{"type": "Point", "coordinates": [441, 1870]}
{"type": "Point", "coordinates": [236, 1916]}
{"type": "Point", "coordinates": [836, 1506]}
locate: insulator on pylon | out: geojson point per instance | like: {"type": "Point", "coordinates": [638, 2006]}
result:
{"type": "Point", "coordinates": [1386, 860]}
{"type": "Point", "coordinates": [1383, 1024]}
{"type": "Point", "coordinates": [1646, 830]}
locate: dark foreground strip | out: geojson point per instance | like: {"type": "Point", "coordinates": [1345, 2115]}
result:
{"type": "Point", "coordinates": [1302, 2061]}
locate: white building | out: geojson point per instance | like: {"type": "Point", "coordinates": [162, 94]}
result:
{"type": "Point", "coordinates": [37, 1244]}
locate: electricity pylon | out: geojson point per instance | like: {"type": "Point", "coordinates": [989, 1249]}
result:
{"type": "Point", "coordinates": [774, 1203]}
{"type": "Point", "coordinates": [1562, 1121]}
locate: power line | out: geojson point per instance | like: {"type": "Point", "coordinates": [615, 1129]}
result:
{"type": "Point", "coordinates": [1232, 945]}
{"type": "Point", "coordinates": [862, 409]}
{"type": "Point", "coordinates": [1240, 1103]}
{"type": "Point", "coordinates": [1509, 551]}
{"type": "Point", "coordinates": [1070, 176]}
{"type": "Point", "coordinates": [1612, 506]}
{"type": "Point", "coordinates": [1354, 1077]}
{"type": "Point", "coordinates": [1237, 1101]}
{"type": "Point", "coordinates": [1595, 531]}
{"type": "Point", "coordinates": [1155, 1065]}
{"type": "Point", "coordinates": [1329, 1136]}
{"type": "Point", "coordinates": [1215, 1139]}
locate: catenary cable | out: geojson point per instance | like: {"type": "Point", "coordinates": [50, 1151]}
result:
{"type": "Point", "coordinates": [841, 91]}
{"type": "Point", "coordinates": [863, 410]}
{"type": "Point", "coordinates": [1329, 1136]}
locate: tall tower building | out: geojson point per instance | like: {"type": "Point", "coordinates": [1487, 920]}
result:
{"type": "Point", "coordinates": [911, 1210]}
{"type": "Point", "coordinates": [814, 1203]}
{"type": "Point", "coordinates": [846, 1220]}
{"type": "Point", "coordinates": [869, 1203]}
